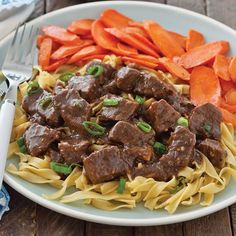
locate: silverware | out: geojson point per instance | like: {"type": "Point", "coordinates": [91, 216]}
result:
{"type": "Point", "coordinates": [2, 95]}
{"type": "Point", "coordinates": [17, 68]}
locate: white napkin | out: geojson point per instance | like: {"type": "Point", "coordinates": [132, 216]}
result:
{"type": "Point", "coordinates": [13, 12]}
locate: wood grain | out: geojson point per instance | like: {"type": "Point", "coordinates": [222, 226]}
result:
{"type": "Point", "coordinates": [232, 210]}
{"type": "Point", "coordinates": [50, 223]}
{"type": "Point", "coordinates": [20, 220]}
{"type": "Point", "coordinates": [224, 11]}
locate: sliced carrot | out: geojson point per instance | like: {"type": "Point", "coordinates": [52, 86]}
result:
{"type": "Point", "coordinates": [99, 56]}
{"type": "Point", "coordinates": [228, 117]}
{"type": "Point", "coordinates": [146, 58]}
{"type": "Point", "coordinates": [226, 86]}
{"type": "Point", "coordinates": [136, 24]}
{"type": "Point", "coordinates": [81, 27]}
{"type": "Point", "coordinates": [130, 40]}
{"type": "Point", "coordinates": [203, 54]}
{"type": "Point", "coordinates": [65, 51]}
{"type": "Point", "coordinates": [127, 48]}
{"type": "Point", "coordinates": [221, 66]}
{"type": "Point", "coordinates": [87, 36]}
{"type": "Point", "coordinates": [194, 39]}
{"type": "Point", "coordinates": [225, 105]}
{"type": "Point", "coordinates": [101, 37]}
{"type": "Point", "coordinates": [39, 40]}
{"type": "Point", "coordinates": [113, 18]}
{"type": "Point", "coordinates": [204, 86]}
{"type": "Point", "coordinates": [232, 68]}
{"type": "Point", "coordinates": [45, 52]}
{"type": "Point", "coordinates": [87, 51]}
{"type": "Point", "coordinates": [56, 65]}
{"type": "Point", "coordinates": [179, 38]}
{"type": "Point", "coordinates": [175, 69]}
{"type": "Point", "coordinates": [140, 62]}
{"type": "Point", "coordinates": [163, 39]}
{"type": "Point", "coordinates": [131, 30]}
{"type": "Point", "coordinates": [230, 96]}
{"type": "Point", "coordinates": [61, 35]}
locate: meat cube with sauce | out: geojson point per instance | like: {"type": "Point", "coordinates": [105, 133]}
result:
{"type": "Point", "coordinates": [38, 138]}
{"type": "Point", "coordinates": [162, 116]}
{"type": "Point", "coordinates": [104, 165]}
{"type": "Point", "coordinates": [205, 121]}
{"type": "Point", "coordinates": [213, 150]}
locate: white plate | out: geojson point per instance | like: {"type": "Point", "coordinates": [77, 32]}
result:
{"type": "Point", "coordinates": [173, 18]}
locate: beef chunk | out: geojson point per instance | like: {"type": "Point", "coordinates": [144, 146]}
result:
{"type": "Point", "coordinates": [73, 149]}
{"type": "Point", "coordinates": [126, 78]}
{"type": "Point", "coordinates": [88, 86]}
{"type": "Point", "coordinates": [104, 165]}
{"type": "Point", "coordinates": [205, 121]}
{"type": "Point", "coordinates": [38, 139]}
{"type": "Point", "coordinates": [129, 134]}
{"type": "Point", "coordinates": [36, 118]}
{"type": "Point", "coordinates": [123, 111]}
{"type": "Point", "coordinates": [162, 116]}
{"type": "Point", "coordinates": [111, 87]}
{"type": "Point", "coordinates": [213, 150]}
{"type": "Point", "coordinates": [55, 155]}
{"type": "Point", "coordinates": [179, 155]}
{"type": "Point", "coordinates": [74, 109]}
{"type": "Point", "coordinates": [30, 102]}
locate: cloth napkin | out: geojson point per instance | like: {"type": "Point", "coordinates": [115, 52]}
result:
{"type": "Point", "coordinates": [12, 12]}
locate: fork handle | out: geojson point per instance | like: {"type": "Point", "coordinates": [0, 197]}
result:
{"type": "Point", "coordinates": [6, 121]}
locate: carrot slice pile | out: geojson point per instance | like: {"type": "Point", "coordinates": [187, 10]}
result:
{"type": "Point", "coordinates": [81, 27]}
{"type": "Point", "coordinates": [45, 52]}
{"type": "Point", "coordinates": [221, 66]}
{"type": "Point", "coordinates": [232, 68]}
{"type": "Point", "coordinates": [194, 39]}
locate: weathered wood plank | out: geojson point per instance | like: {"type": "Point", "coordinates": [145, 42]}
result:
{"type": "Point", "coordinates": [223, 11]}
{"type": "Point", "coordinates": [55, 224]}
{"type": "Point", "coordinates": [20, 220]}
{"type": "Point", "coordinates": [212, 225]}
{"type": "Point", "coordinates": [39, 9]}
{"type": "Point", "coordinates": [165, 230]}
{"type": "Point", "coordinates": [232, 210]}
{"type": "Point", "coordinates": [196, 5]}
{"type": "Point", "coordinates": [93, 229]}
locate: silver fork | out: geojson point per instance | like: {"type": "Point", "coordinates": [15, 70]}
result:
{"type": "Point", "coordinates": [17, 68]}
{"type": "Point", "coordinates": [2, 94]}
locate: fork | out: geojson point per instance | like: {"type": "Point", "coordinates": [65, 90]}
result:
{"type": "Point", "coordinates": [2, 94]}
{"type": "Point", "coordinates": [17, 68]}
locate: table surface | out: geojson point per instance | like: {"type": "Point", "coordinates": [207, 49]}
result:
{"type": "Point", "coordinates": [27, 218]}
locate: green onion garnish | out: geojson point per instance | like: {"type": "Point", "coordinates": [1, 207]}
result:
{"type": "Point", "coordinates": [95, 70]}
{"type": "Point", "coordinates": [207, 127]}
{"type": "Point", "coordinates": [79, 104]}
{"type": "Point", "coordinates": [21, 144]}
{"type": "Point", "coordinates": [94, 128]}
{"type": "Point", "coordinates": [159, 148]}
{"type": "Point", "coordinates": [145, 127]}
{"type": "Point", "coordinates": [65, 77]}
{"type": "Point", "coordinates": [45, 102]}
{"type": "Point", "coordinates": [33, 87]}
{"type": "Point", "coordinates": [181, 182]}
{"type": "Point", "coordinates": [182, 121]}
{"type": "Point", "coordinates": [139, 99]}
{"type": "Point", "coordinates": [121, 187]}
{"type": "Point", "coordinates": [61, 168]}
{"type": "Point", "coordinates": [110, 102]}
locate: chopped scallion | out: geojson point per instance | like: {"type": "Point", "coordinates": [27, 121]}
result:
{"type": "Point", "coordinates": [65, 77]}
{"type": "Point", "coordinates": [32, 88]}
{"type": "Point", "coordinates": [21, 144]}
{"type": "Point", "coordinates": [110, 102]}
{"type": "Point", "coordinates": [94, 128]}
{"type": "Point", "coordinates": [182, 121]}
{"type": "Point", "coordinates": [121, 187]}
{"type": "Point", "coordinates": [61, 168]}
{"type": "Point", "coordinates": [159, 148]}
{"type": "Point", "coordinates": [207, 127]}
{"type": "Point", "coordinates": [45, 102]}
{"type": "Point", "coordinates": [145, 127]}
{"type": "Point", "coordinates": [139, 99]}
{"type": "Point", "coordinates": [95, 70]}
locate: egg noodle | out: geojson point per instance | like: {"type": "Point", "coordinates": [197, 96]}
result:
{"type": "Point", "coordinates": [196, 185]}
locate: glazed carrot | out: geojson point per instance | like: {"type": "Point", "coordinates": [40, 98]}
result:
{"type": "Point", "coordinates": [175, 69]}
{"type": "Point", "coordinates": [39, 40]}
{"type": "Point", "coordinates": [194, 39]}
{"type": "Point", "coordinates": [136, 24]}
{"type": "Point", "coordinates": [101, 37]}
{"type": "Point", "coordinates": [228, 117]}
{"type": "Point", "coordinates": [221, 66]}
{"type": "Point", "coordinates": [140, 62]}
{"type": "Point", "coordinates": [65, 51]}
{"type": "Point", "coordinates": [226, 106]}
{"type": "Point", "coordinates": [45, 52]}
{"type": "Point", "coordinates": [226, 86]}
{"type": "Point", "coordinates": [127, 48]}
{"type": "Point", "coordinates": [131, 30]}
{"type": "Point", "coordinates": [204, 86]}
{"type": "Point", "coordinates": [130, 40]}
{"type": "Point", "coordinates": [61, 35]}
{"type": "Point", "coordinates": [179, 38]}
{"type": "Point", "coordinates": [88, 36]}
{"type": "Point", "coordinates": [99, 56]}
{"type": "Point", "coordinates": [203, 54]}
{"type": "Point", "coordinates": [55, 65]}
{"type": "Point", "coordinates": [87, 51]}
{"type": "Point", "coordinates": [163, 40]}
{"type": "Point", "coordinates": [146, 58]}
{"type": "Point", "coordinates": [81, 27]}
{"type": "Point", "coordinates": [232, 68]}
{"type": "Point", "coordinates": [113, 18]}
{"type": "Point", "coordinates": [230, 96]}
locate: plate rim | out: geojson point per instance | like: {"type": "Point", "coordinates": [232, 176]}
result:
{"type": "Point", "coordinates": [186, 216]}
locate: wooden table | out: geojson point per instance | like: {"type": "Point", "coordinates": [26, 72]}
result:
{"type": "Point", "coordinates": [27, 218]}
